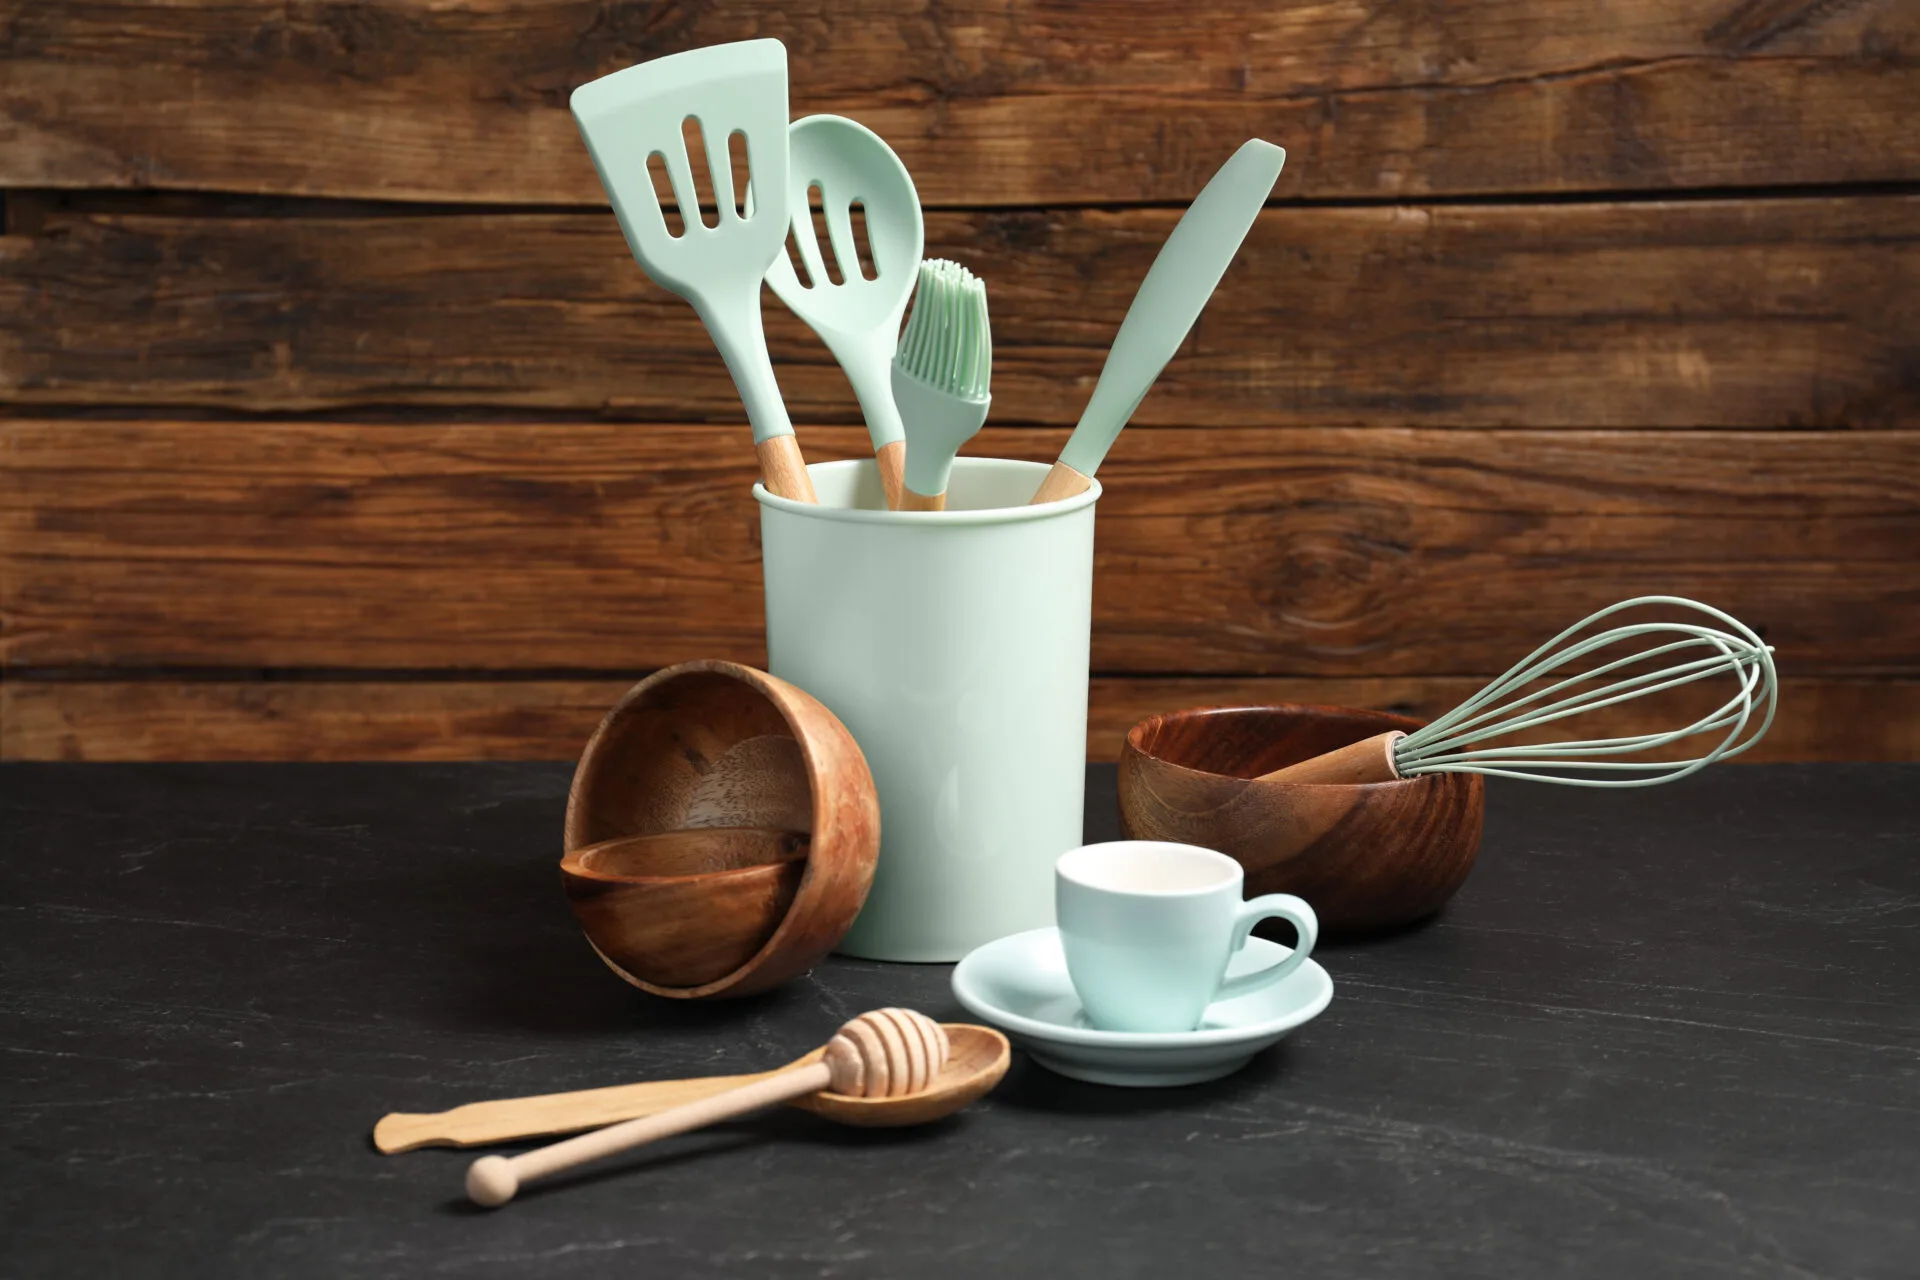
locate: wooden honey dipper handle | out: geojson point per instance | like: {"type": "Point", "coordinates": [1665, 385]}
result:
{"type": "Point", "coordinates": [886, 1053]}
{"type": "Point", "coordinates": [493, 1180]}
{"type": "Point", "coordinates": [1368, 760]}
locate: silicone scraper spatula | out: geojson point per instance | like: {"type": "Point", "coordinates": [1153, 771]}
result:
{"type": "Point", "coordinates": [635, 114]}
{"type": "Point", "coordinates": [1170, 299]}
{"type": "Point", "coordinates": [858, 318]}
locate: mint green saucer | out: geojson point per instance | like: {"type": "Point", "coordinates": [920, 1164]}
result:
{"type": "Point", "coordinates": [1020, 985]}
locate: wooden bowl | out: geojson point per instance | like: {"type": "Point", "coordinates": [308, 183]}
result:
{"type": "Point", "coordinates": [1367, 857]}
{"type": "Point", "coordinates": [721, 832]}
{"type": "Point", "coordinates": [684, 907]}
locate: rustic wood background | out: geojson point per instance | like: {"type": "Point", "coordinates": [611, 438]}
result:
{"type": "Point", "coordinates": [339, 424]}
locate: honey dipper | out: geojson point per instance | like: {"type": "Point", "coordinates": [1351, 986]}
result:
{"type": "Point", "coordinates": [888, 1053]}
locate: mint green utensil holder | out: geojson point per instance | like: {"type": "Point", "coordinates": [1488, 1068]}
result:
{"type": "Point", "coordinates": [954, 646]}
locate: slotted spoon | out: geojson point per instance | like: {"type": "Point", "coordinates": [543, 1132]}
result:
{"type": "Point", "coordinates": [639, 112]}
{"type": "Point", "coordinates": [858, 318]}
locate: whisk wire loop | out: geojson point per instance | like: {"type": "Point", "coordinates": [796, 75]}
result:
{"type": "Point", "coordinates": [1735, 711]}
{"type": "Point", "coordinates": [1446, 744]}
{"type": "Point", "coordinates": [1619, 691]}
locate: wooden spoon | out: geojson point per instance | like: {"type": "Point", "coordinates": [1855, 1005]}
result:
{"type": "Point", "coordinates": [976, 1060]}
{"type": "Point", "coordinates": [892, 1055]}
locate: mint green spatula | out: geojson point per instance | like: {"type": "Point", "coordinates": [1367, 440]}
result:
{"type": "Point", "coordinates": [635, 114]}
{"type": "Point", "coordinates": [1170, 299]}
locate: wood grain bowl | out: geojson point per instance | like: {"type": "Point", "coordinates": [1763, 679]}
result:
{"type": "Point", "coordinates": [686, 908]}
{"type": "Point", "coordinates": [721, 832]}
{"type": "Point", "coordinates": [1368, 858]}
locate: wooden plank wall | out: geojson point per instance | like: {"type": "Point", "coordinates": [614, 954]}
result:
{"type": "Point", "coordinates": [337, 423]}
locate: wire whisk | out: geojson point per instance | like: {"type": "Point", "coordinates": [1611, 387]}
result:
{"type": "Point", "coordinates": [1684, 651]}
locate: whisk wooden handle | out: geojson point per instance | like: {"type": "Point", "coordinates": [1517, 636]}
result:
{"type": "Point", "coordinates": [1368, 760]}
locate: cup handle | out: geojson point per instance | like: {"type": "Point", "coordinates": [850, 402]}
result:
{"type": "Point", "coordinates": [1284, 906]}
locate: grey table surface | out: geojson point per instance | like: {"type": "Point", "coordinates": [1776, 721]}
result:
{"type": "Point", "coordinates": [1672, 1032]}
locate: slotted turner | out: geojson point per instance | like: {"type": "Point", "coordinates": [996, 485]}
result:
{"type": "Point", "coordinates": [858, 318]}
{"type": "Point", "coordinates": [639, 112]}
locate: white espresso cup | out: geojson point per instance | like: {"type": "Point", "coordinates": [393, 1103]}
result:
{"type": "Point", "coordinates": [1149, 926]}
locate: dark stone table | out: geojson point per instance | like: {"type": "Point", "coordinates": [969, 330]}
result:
{"type": "Point", "coordinates": [1672, 1032]}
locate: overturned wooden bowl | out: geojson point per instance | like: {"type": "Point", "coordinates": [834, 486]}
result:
{"type": "Point", "coordinates": [721, 832]}
{"type": "Point", "coordinates": [688, 907]}
{"type": "Point", "coordinates": [1367, 857]}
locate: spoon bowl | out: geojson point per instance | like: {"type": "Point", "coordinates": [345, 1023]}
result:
{"type": "Point", "coordinates": [977, 1059]}
{"type": "Point", "coordinates": [850, 164]}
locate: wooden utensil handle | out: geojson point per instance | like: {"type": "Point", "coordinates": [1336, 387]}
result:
{"type": "Point", "coordinates": [1368, 760]}
{"type": "Point", "coordinates": [783, 470]}
{"type": "Point", "coordinates": [911, 501]}
{"type": "Point", "coordinates": [1061, 482]}
{"type": "Point", "coordinates": [480, 1124]}
{"type": "Point", "coordinates": [493, 1180]}
{"type": "Point", "coordinates": [892, 458]}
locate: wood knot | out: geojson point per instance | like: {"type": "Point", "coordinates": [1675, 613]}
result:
{"type": "Point", "coordinates": [886, 1054]}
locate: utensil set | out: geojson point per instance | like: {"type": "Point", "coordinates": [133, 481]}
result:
{"type": "Point", "coordinates": [723, 826]}
{"type": "Point", "coordinates": [635, 117]}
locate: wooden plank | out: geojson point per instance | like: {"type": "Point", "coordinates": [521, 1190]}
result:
{"type": "Point", "coordinates": [614, 547]}
{"type": "Point", "coordinates": [993, 102]}
{"type": "Point", "coordinates": [301, 720]}
{"type": "Point", "coordinates": [1707, 314]}
{"type": "Point", "coordinates": [1820, 718]}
